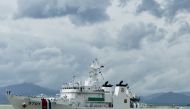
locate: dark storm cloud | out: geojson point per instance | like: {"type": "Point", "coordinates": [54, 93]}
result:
{"type": "Point", "coordinates": [131, 35]}
{"type": "Point", "coordinates": [80, 12]}
{"type": "Point", "coordinates": [169, 9]}
{"type": "Point", "coordinates": [150, 5]}
{"type": "Point", "coordinates": [175, 6]}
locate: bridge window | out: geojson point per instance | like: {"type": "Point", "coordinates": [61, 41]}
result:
{"type": "Point", "coordinates": [125, 100]}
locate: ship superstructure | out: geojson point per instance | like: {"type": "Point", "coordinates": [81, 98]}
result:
{"type": "Point", "coordinates": [88, 94]}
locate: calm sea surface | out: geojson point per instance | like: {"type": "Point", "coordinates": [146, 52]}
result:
{"type": "Point", "coordinates": [160, 107]}
{"type": "Point", "coordinates": [6, 107]}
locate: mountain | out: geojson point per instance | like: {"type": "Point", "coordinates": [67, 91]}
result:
{"type": "Point", "coordinates": [168, 98]}
{"type": "Point", "coordinates": [27, 89]}
{"type": "Point", "coordinates": [186, 93]}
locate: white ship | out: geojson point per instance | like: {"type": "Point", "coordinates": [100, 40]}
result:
{"type": "Point", "coordinates": [88, 94]}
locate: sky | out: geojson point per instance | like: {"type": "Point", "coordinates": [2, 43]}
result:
{"type": "Point", "coordinates": [146, 43]}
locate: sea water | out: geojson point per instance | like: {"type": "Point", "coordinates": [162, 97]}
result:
{"type": "Point", "coordinates": [159, 107]}
{"type": "Point", "coordinates": [6, 107]}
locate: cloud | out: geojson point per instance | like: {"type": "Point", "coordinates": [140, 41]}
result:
{"type": "Point", "coordinates": [143, 50]}
{"type": "Point", "coordinates": [151, 6]}
{"type": "Point", "coordinates": [7, 9]}
{"type": "Point", "coordinates": [80, 12]}
{"type": "Point", "coordinates": [132, 35]}
{"type": "Point", "coordinates": [123, 3]}
{"type": "Point", "coordinates": [46, 53]}
{"type": "Point", "coordinates": [184, 28]}
{"type": "Point", "coordinates": [28, 58]}
{"type": "Point", "coordinates": [168, 9]}
{"type": "Point", "coordinates": [147, 70]}
{"type": "Point", "coordinates": [174, 7]}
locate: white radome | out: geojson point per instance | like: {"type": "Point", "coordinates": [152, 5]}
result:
{"type": "Point", "coordinates": [90, 94]}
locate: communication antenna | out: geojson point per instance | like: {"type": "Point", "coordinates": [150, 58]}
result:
{"type": "Point", "coordinates": [96, 70]}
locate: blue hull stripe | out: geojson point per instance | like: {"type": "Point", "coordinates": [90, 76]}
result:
{"type": "Point", "coordinates": [49, 104]}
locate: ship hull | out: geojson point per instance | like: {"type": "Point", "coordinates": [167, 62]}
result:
{"type": "Point", "coordinates": [24, 102]}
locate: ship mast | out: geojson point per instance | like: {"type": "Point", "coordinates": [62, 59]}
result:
{"type": "Point", "coordinates": [95, 73]}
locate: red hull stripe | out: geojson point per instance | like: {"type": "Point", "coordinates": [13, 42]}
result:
{"type": "Point", "coordinates": [44, 103]}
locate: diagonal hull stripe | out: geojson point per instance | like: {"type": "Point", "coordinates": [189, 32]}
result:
{"type": "Point", "coordinates": [49, 104]}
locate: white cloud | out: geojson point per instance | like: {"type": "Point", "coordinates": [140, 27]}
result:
{"type": "Point", "coordinates": [149, 52]}
{"type": "Point", "coordinates": [8, 8]}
